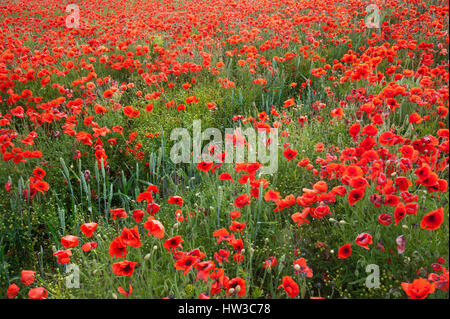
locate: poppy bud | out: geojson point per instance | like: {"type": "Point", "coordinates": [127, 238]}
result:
{"type": "Point", "coordinates": [155, 247]}
{"type": "Point", "coordinates": [147, 257]}
{"type": "Point", "coordinates": [231, 291]}
{"type": "Point", "coordinates": [238, 288]}
{"type": "Point", "coordinates": [343, 222]}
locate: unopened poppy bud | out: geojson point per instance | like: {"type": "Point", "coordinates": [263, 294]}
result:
{"type": "Point", "coordinates": [342, 222]}
{"type": "Point", "coordinates": [155, 247]}
{"type": "Point", "coordinates": [297, 267]}
{"type": "Point", "coordinates": [176, 225]}
{"type": "Point", "coordinates": [238, 288]}
{"type": "Point", "coordinates": [147, 257]}
{"type": "Point", "coordinates": [114, 296]}
{"type": "Point", "coordinates": [54, 249]}
{"type": "Point", "coordinates": [332, 251]}
{"type": "Point", "coordinates": [332, 220]}
{"type": "Point", "coordinates": [266, 240]}
{"type": "Point", "coordinates": [405, 226]}
{"type": "Point", "coordinates": [231, 291]}
{"type": "Point", "coordinates": [242, 251]}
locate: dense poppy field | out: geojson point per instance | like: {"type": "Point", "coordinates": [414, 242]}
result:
{"type": "Point", "coordinates": [93, 206]}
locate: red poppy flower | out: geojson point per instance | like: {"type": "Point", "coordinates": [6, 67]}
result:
{"type": "Point", "coordinates": [12, 291]}
{"type": "Point", "coordinates": [155, 227]}
{"type": "Point", "coordinates": [300, 267]}
{"type": "Point", "coordinates": [399, 213]}
{"type": "Point", "coordinates": [117, 248]}
{"type": "Point", "coordinates": [138, 214]}
{"type": "Point", "coordinates": [364, 240]}
{"type": "Point", "coordinates": [242, 200]}
{"type": "Point", "coordinates": [300, 218]}
{"type": "Point", "coordinates": [153, 208]}
{"type": "Point", "coordinates": [270, 262]}
{"type": "Point", "coordinates": [237, 244]}
{"type": "Point", "coordinates": [433, 220]}
{"type": "Point", "coordinates": [354, 129]}
{"type": "Point", "coordinates": [225, 177]}
{"type": "Point", "coordinates": [63, 256]}
{"type": "Point", "coordinates": [320, 211]}
{"type": "Point", "coordinates": [147, 196]}
{"type": "Point", "coordinates": [69, 241]}
{"type": "Point", "coordinates": [27, 277]}
{"type": "Point", "coordinates": [222, 234]}
{"type": "Point", "coordinates": [173, 243]}
{"type": "Point", "coordinates": [131, 237]}
{"type": "Point", "coordinates": [204, 268]}
{"type": "Point", "coordinates": [385, 219]}
{"type": "Point", "coordinates": [89, 246]}
{"type": "Point", "coordinates": [176, 200]}
{"type": "Point", "coordinates": [235, 214]}
{"type": "Point", "coordinates": [290, 154]}
{"type": "Point", "coordinates": [124, 268]}
{"type": "Point", "coordinates": [222, 255]}
{"type": "Point", "coordinates": [345, 251]}
{"type": "Point", "coordinates": [355, 195]}
{"type": "Point", "coordinates": [236, 286]}
{"type": "Point", "coordinates": [205, 166]}
{"type": "Point", "coordinates": [38, 293]}
{"type": "Point", "coordinates": [118, 213]}
{"type": "Point", "coordinates": [419, 289]}
{"type": "Point", "coordinates": [289, 286]}
{"type": "Point", "coordinates": [237, 226]}
{"type": "Point", "coordinates": [124, 292]}
{"type": "Point", "coordinates": [272, 195]}
{"type": "Point", "coordinates": [186, 263]}
{"type": "Point", "coordinates": [88, 229]}
{"type": "Point", "coordinates": [402, 183]}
